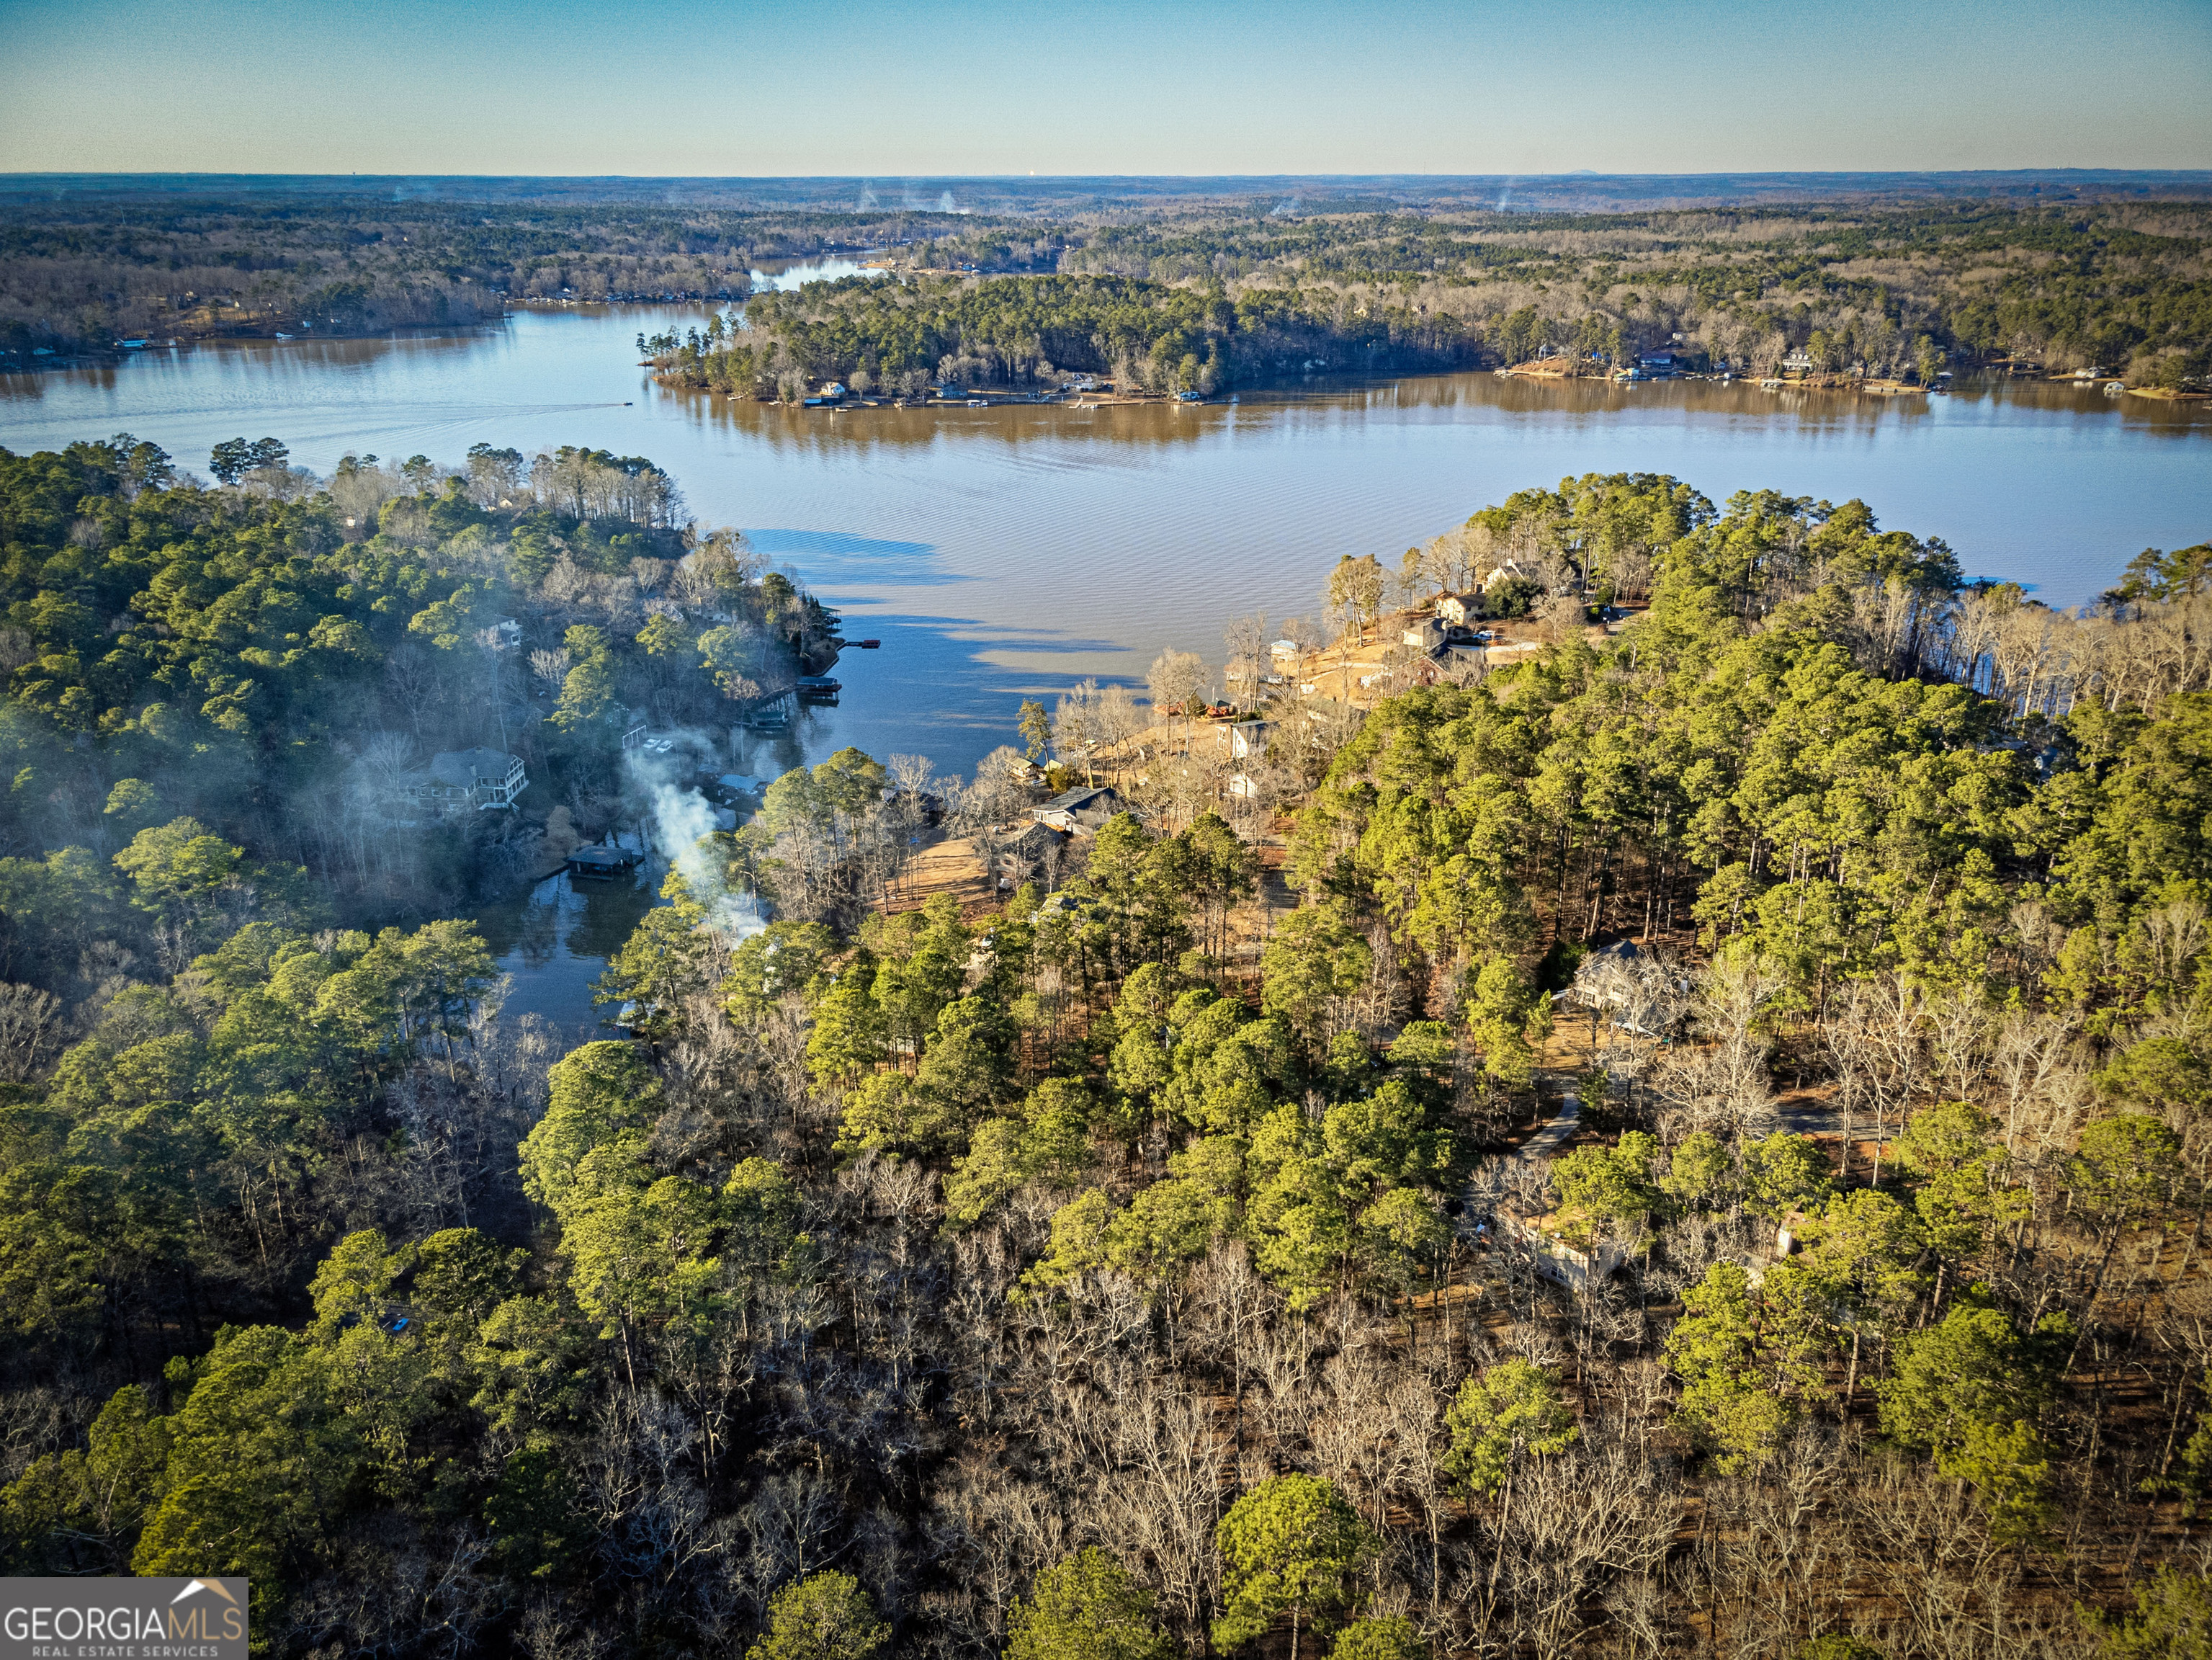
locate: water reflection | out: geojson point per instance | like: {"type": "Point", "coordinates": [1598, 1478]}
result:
{"type": "Point", "coordinates": [1000, 553]}
{"type": "Point", "coordinates": [788, 274]}
{"type": "Point", "coordinates": [555, 938]}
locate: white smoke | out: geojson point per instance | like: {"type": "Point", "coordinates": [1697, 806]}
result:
{"type": "Point", "coordinates": [682, 820]}
{"type": "Point", "coordinates": [867, 199]}
{"type": "Point", "coordinates": [944, 203]}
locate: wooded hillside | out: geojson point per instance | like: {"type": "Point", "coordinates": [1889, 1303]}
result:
{"type": "Point", "coordinates": [1155, 1270]}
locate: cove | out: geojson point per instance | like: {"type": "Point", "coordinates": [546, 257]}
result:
{"type": "Point", "coordinates": [1006, 552]}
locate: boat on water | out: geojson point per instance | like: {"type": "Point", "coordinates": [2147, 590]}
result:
{"type": "Point", "coordinates": [868, 645]}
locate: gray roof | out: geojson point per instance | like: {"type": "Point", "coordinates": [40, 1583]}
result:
{"type": "Point", "coordinates": [464, 767]}
{"type": "Point", "coordinates": [1076, 801]}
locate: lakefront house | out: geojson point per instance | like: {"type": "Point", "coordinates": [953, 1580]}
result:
{"type": "Point", "coordinates": [465, 781]}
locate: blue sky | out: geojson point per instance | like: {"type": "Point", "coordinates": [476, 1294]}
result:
{"type": "Point", "coordinates": [980, 87]}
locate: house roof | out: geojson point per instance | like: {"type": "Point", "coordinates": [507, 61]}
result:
{"type": "Point", "coordinates": [1031, 841]}
{"type": "Point", "coordinates": [1622, 953]}
{"type": "Point", "coordinates": [464, 766]}
{"type": "Point", "coordinates": [1076, 801]}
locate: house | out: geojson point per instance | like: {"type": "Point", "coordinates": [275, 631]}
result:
{"type": "Point", "coordinates": [1080, 812]}
{"type": "Point", "coordinates": [1656, 362]}
{"type": "Point", "coordinates": [1285, 653]}
{"type": "Point", "coordinates": [1421, 672]}
{"type": "Point", "coordinates": [1631, 987]}
{"type": "Point", "coordinates": [1246, 740]}
{"type": "Point", "coordinates": [1424, 634]}
{"type": "Point", "coordinates": [1243, 787]}
{"type": "Point", "coordinates": [1800, 361]}
{"type": "Point", "coordinates": [466, 780]}
{"type": "Point", "coordinates": [1026, 857]}
{"type": "Point", "coordinates": [1458, 611]}
{"type": "Point", "coordinates": [1508, 572]}
{"type": "Point", "coordinates": [1555, 1259]}
{"type": "Point", "coordinates": [928, 806]}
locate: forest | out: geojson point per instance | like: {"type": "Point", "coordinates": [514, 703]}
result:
{"type": "Point", "coordinates": [1150, 1265]}
{"type": "Point", "coordinates": [1896, 287]}
{"type": "Point", "coordinates": [1237, 297]}
{"type": "Point", "coordinates": [1897, 280]}
{"type": "Point", "coordinates": [265, 655]}
{"type": "Point", "coordinates": [79, 274]}
{"type": "Point", "coordinates": [903, 336]}
{"type": "Point", "coordinates": [1203, 300]}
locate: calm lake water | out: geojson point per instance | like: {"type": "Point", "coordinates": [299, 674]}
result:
{"type": "Point", "coordinates": [1005, 553]}
{"type": "Point", "coordinates": [553, 942]}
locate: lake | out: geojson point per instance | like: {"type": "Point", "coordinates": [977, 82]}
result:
{"type": "Point", "coordinates": [1005, 553]}
{"type": "Point", "coordinates": [1002, 553]}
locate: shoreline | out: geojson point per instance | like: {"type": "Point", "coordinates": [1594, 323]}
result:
{"type": "Point", "coordinates": [271, 334]}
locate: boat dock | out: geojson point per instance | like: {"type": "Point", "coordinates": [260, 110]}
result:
{"type": "Point", "coordinates": [603, 863]}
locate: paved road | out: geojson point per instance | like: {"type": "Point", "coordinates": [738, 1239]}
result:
{"type": "Point", "coordinates": [1549, 1140]}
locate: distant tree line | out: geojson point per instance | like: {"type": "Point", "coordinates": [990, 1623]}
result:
{"type": "Point", "coordinates": [1892, 287]}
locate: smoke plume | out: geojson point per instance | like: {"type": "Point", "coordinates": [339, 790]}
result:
{"type": "Point", "coordinates": [682, 820]}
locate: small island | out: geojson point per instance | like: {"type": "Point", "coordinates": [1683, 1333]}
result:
{"type": "Point", "coordinates": [912, 337]}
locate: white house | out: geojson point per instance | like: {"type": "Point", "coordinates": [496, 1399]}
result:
{"type": "Point", "coordinates": [1632, 988]}
{"type": "Point", "coordinates": [466, 780]}
{"type": "Point", "coordinates": [1246, 740]}
{"type": "Point", "coordinates": [1456, 611]}
{"type": "Point", "coordinates": [1556, 1260]}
